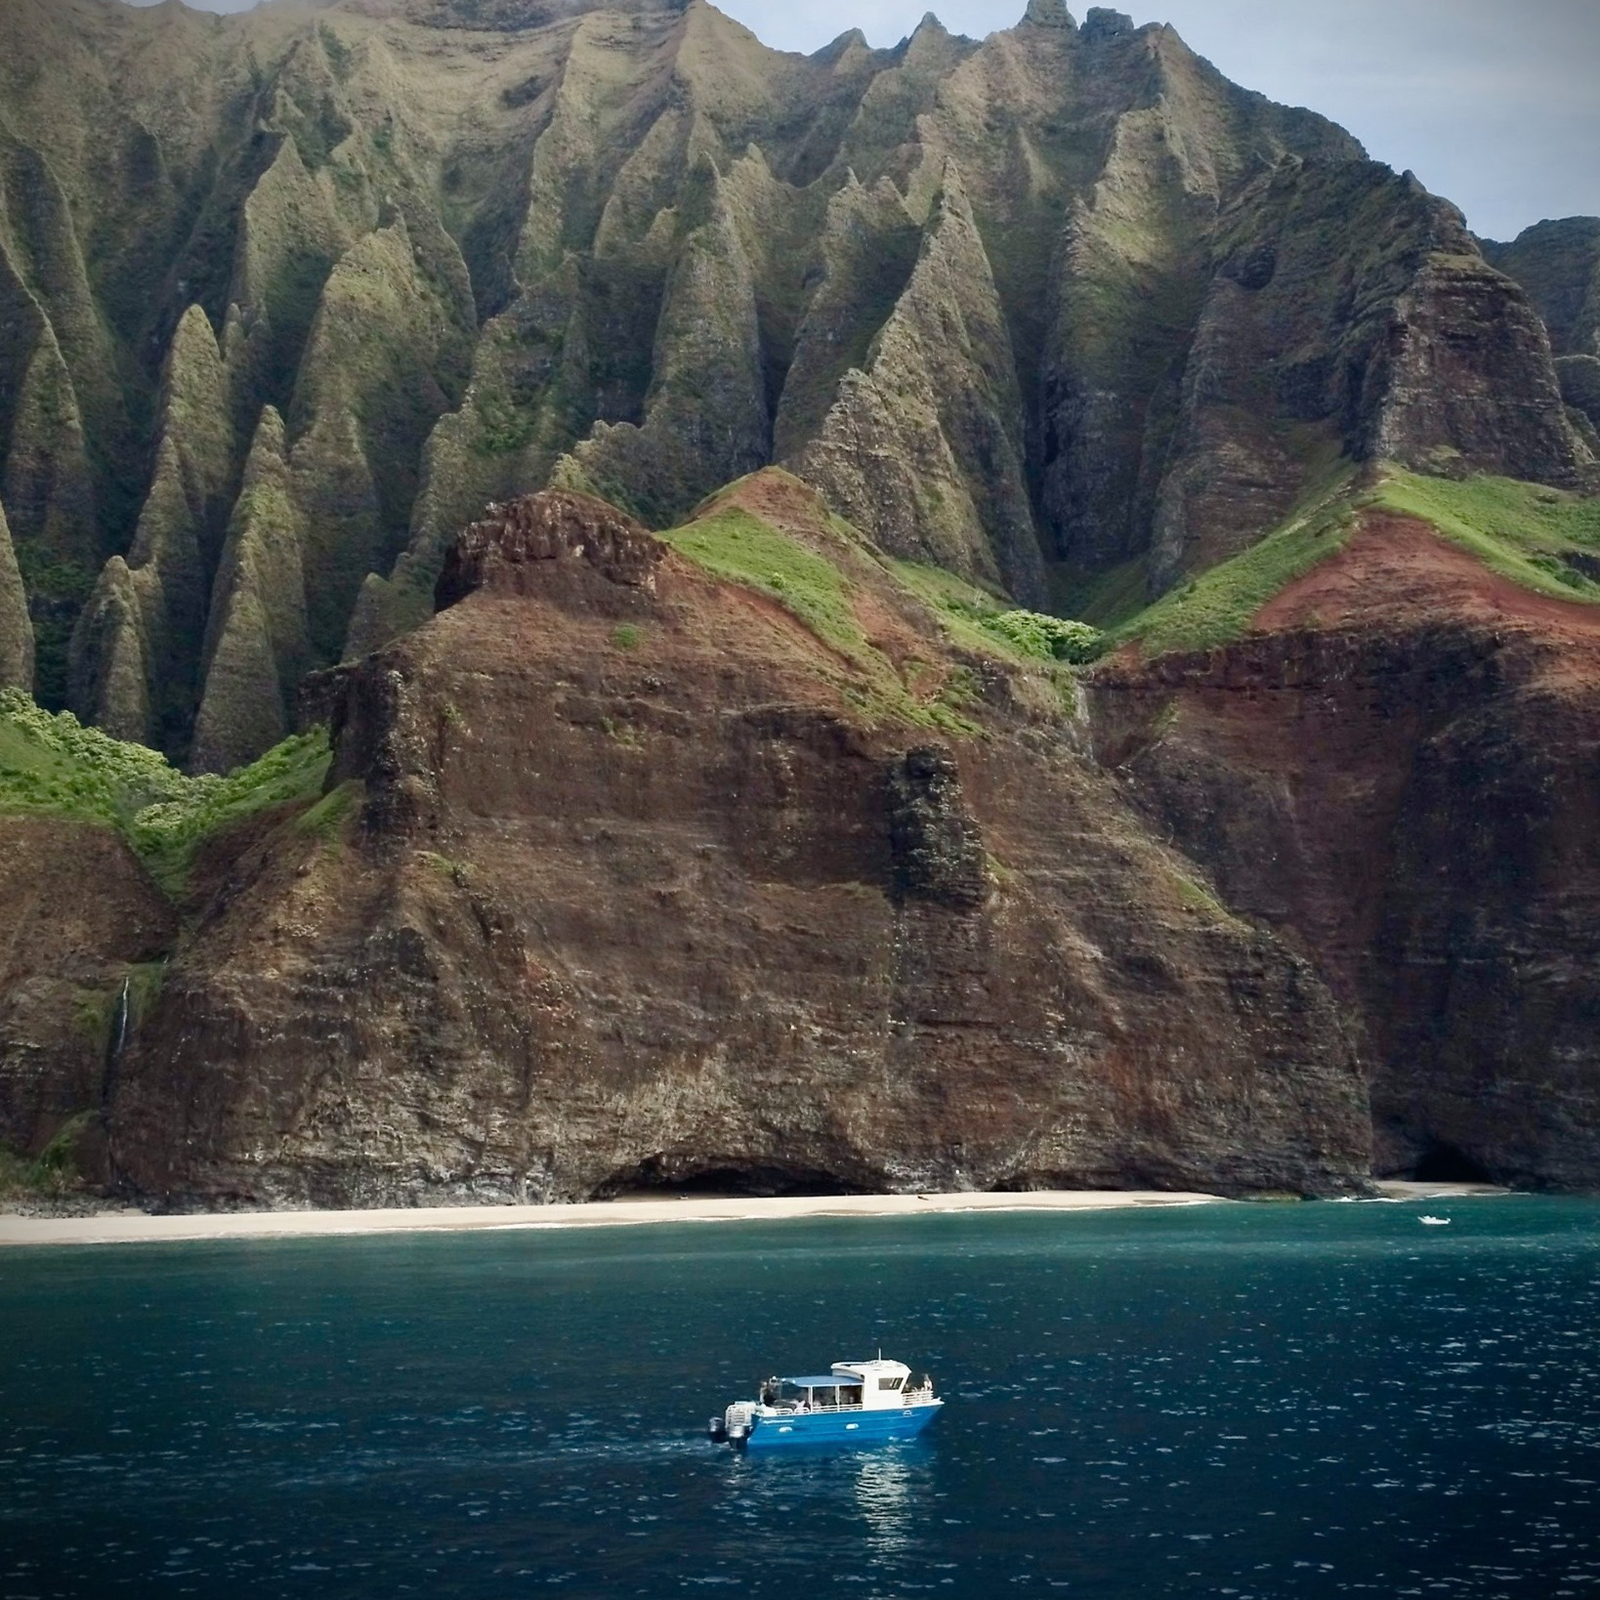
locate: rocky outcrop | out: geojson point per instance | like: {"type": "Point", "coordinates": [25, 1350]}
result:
{"type": "Point", "coordinates": [1579, 377]}
{"type": "Point", "coordinates": [630, 893]}
{"type": "Point", "coordinates": [135, 653]}
{"type": "Point", "coordinates": [1558, 264]}
{"type": "Point", "coordinates": [706, 419]}
{"type": "Point", "coordinates": [1396, 771]}
{"type": "Point", "coordinates": [1307, 347]}
{"type": "Point", "coordinates": [497, 552]}
{"type": "Point", "coordinates": [113, 655]}
{"type": "Point", "coordinates": [1469, 383]}
{"type": "Point", "coordinates": [935, 844]}
{"type": "Point", "coordinates": [16, 627]}
{"type": "Point", "coordinates": [47, 488]}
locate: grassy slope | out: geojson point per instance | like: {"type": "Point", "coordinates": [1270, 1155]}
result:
{"type": "Point", "coordinates": [817, 588]}
{"type": "Point", "coordinates": [54, 766]}
{"type": "Point", "coordinates": [1524, 531]}
{"type": "Point", "coordinates": [1521, 530]}
{"type": "Point", "coordinates": [1218, 605]}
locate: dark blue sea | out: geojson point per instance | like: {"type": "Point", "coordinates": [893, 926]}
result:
{"type": "Point", "coordinates": [1231, 1400]}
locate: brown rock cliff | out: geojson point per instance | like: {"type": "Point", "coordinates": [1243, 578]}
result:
{"type": "Point", "coordinates": [634, 894]}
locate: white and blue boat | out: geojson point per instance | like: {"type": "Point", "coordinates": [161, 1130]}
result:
{"type": "Point", "coordinates": [857, 1403]}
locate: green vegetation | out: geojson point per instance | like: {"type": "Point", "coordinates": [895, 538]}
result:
{"type": "Point", "coordinates": [1103, 599]}
{"type": "Point", "coordinates": [1217, 606]}
{"type": "Point", "coordinates": [326, 818]}
{"type": "Point", "coordinates": [965, 611]}
{"type": "Point", "coordinates": [1523, 531]}
{"type": "Point", "coordinates": [56, 766]}
{"type": "Point", "coordinates": [54, 1171]}
{"type": "Point", "coordinates": [1197, 898]}
{"type": "Point", "coordinates": [58, 586]}
{"type": "Point", "coordinates": [978, 620]}
{"type": "Point", "coordinates": [1544, 539]}
{"type": "Point", "coordinates": [733, 544]}
{"type": "Point", "coordinates": [1048, 638]}
{"type": "Point", "coordinates": [458, 872]}
{"type": "Point", "coordinates": [819, 592]}
{"type": "Point", "coordinates": [626, 636]}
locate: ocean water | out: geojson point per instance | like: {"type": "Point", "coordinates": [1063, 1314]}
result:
{"type": "Point", "coordinates": [1223, 1400]}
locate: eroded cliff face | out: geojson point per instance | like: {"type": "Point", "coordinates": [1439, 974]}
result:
{"type": "Point", "coordinates": [617, 886]}
{"type": "Point", "coordinates": [1558, 263]}
{"type": "Point", "coordinates": [287, 297]}
{"type": "Point", "coordinates": [1397, 769]}
{"type": "Point", "coordinates": [82, 937]}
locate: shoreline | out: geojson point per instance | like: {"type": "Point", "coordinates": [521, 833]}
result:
{"type": "Point", "coordinates": [138, 1227]}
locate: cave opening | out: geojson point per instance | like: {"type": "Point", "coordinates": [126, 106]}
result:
{"type": "Point", "coordinates": [659, 1179]}
{"type": "Point", "coordinates": [1442, 1162]}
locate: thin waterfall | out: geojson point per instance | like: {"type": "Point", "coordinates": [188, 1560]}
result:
{"type": "Point", "coordinates": [116, 1042]}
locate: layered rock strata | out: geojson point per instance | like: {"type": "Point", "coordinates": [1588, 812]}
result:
{"type": "Point", "coordinates": [628, 893]}
{"type": "Point", "coordinates": [1396, 770]}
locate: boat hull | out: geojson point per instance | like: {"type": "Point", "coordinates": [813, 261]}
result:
{"type": "Point", "coordinates": [840, 1427]}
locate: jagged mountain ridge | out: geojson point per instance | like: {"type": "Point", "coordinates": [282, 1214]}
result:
{"type": "Point", "coordinates": [292, 295]}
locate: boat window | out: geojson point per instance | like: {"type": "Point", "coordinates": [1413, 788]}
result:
{"type": "Point", "coordinates": [890, 1383]}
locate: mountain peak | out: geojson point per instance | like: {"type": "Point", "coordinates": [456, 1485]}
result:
{"type": "Point", "coordinates": [1049, 14]}
{"type": "Point", "coordinates": [1104, 23]}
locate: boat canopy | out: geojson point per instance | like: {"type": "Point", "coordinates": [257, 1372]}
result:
{"type": "Point", "coordinates": [831, 1380]}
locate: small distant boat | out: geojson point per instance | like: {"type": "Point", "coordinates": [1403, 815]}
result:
{"type": "Point", "coordinates": [1436, 1222]}
{"type": "Point", "coordinates": [858, 1402]}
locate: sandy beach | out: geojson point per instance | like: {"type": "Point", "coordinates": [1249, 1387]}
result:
{"type": "Point", "coordinates": [138, 1227]}
{"type": "Point", "coordinates": [135, 1227]}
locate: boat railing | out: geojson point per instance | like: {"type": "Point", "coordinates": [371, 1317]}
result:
{"type": "Point", "coordinates": [908, 1397]}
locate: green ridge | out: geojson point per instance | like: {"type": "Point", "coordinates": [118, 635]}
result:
{"type": "Point", "coordinates": [1546, 540]}
{"type": "Point", "coordinates": [53, 765]}
{"type": "Point", "coordinates": [739, 547]}
{"type": "Point", "coordinates": [1216, 607]}
{"type": "Point", "coordinates": [1523, 531]}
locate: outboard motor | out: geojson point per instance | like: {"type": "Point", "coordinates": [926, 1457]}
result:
{"type": "Point", "coordinates": [717, 1431]}
{"type": "Point", "coordinates": [737, 1422]}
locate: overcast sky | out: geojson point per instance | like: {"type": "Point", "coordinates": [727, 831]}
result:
{"type": "Point", "coordinates": [1494, 103]}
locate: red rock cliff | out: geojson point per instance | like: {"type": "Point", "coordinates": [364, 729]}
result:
{"type": "Point", "coordinates": [1399, 769]}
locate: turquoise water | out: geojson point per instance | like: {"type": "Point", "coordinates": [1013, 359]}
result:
{"type": "Point", "coordinates": [1224, 1400]}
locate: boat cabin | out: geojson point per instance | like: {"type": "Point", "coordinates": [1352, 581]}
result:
{"type": "Point", "coordinates": [851, 1386]}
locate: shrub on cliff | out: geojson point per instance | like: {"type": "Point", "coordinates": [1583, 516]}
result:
{"type": "Point", "coordinates": [1047, 637]}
